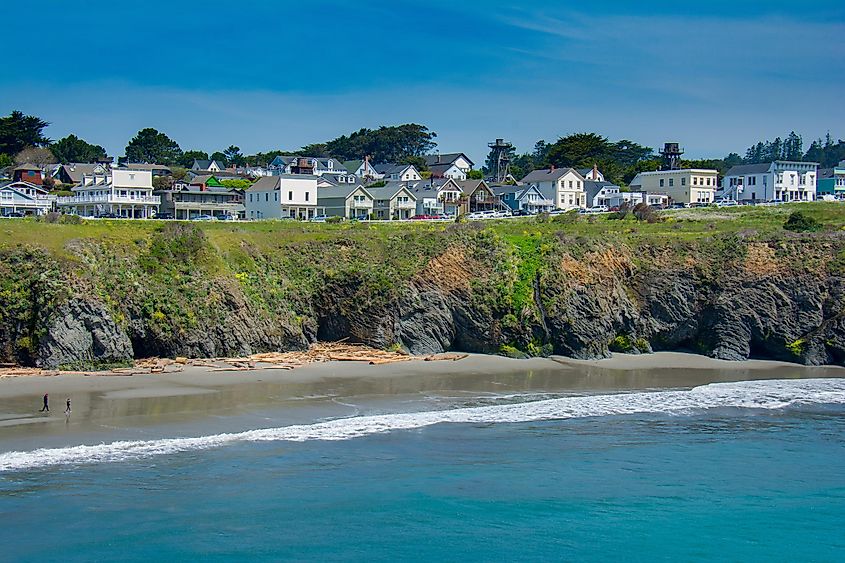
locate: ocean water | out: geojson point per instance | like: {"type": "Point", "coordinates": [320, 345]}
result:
{"type": "Point", "coordinates": [724, 472]}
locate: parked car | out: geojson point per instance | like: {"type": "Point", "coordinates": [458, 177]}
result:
{"type": "Point", "coordinates": [475, 215]}
{"type": "Point", "coordinates": [163, 216]}
{"type": "Point", "coordinates": [520, 213]}
{"type": "Point", "coordinates": [599, 209]}
{"type": "Point", "coordinates": [108, 216]}
{"type": "Point", "coordinates": [319, 218]}
{"type": "Point", "coordinates": [423, 217]}
{"type": "Point", "coordinates": [725, 203]}
{"type": "Point", "coordinates": [13, 215]}
{"type": "Point", "coordinates": [202, 218]}
{"type": "Point", "coordinates": [679, 205]}
{"type": "Point", "coordinates": [227, 218]}
{"type": "Point", "coordinates": [501, 213]}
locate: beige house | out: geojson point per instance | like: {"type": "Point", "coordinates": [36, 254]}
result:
{"type": "Point", "coordinates": [691, 185]}
{"type": "Point", "coordinates": [350, 202]}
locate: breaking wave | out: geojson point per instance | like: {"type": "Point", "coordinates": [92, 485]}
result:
{"type": "Point", "coordinates": [769, 395]}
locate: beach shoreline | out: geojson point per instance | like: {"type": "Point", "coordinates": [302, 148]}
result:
{"type": "Point", "coordinates": [329, 389]}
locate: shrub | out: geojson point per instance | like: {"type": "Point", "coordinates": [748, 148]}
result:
{"type": "Point", "coordinates": [51, 217]}
{"type": "Point", "coordinates": [800, 223]}
{"type": "Point", "coordinates": [70, 220]}
{"type": "Point", "coordinates": [334, 219]}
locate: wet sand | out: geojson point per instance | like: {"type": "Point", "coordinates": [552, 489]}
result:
{"type": "Point", "coordinates": [198, 396]}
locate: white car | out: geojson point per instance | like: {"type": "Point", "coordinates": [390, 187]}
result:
{"type": "Point", "coordinates": [726, 203]}
{"type": "Point", "coordinates": [475, 215]}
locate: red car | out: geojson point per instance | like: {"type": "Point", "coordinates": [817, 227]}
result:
{"type": "Point", "coordinates": [423, 217]}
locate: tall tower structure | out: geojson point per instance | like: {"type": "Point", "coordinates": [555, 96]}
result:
{"type": "Point", "coordinates": [671, 154]}
{"type": "Point", "coordinates": [500, 159]}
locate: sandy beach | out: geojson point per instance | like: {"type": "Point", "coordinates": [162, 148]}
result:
{"type": "Point", "coordinates": [103, 403]}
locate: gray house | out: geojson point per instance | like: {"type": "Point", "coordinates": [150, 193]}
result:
{"type": "Point", "coordinates": [348, 201]}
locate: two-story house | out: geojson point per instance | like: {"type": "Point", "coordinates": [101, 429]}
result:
{"type": "Point", "coordinates": [398, 172]}
{"type": "Point", "coordinates": [203, 195]}
{"type": "Point", "coordinates": [689, 185]}
{"type": "Point", "coordinates": [437, 196]}
{"type": "Point", "coordinates": [362, 169]}
{"type": "Point", "coordinates": [780, 180]}
{"type": "Point", "coordinates": [393, 201]}
{"type": "Point", "coordinates": [476, 195]}
{"type": "Point", "coordinates": [459, 160]}
{"type": "Point", "coordinates": [524, 198]}
{"type": "Point", "coordinates": [200, 165]}
{"type": "Point", "coordinates": [25, 198]}
{"type": "Point", "coordinates": [284, 196]}
{"type": "Point", "coordinates": [126, 193]}
{"type": "Point", "coordinates": [347, 201]}
{"type": "Point", "coordinates": [564, 186]}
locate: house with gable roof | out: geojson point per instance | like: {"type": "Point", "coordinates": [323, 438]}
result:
{"type": "Point", "coordinates": [362, 169]}
{"type": "Point", "coordinates": [26, 198]}
{"type": "Point", "coordinates": [461, 161]}
{"type": "Point", "coordinates": [347, 201]}
{"type": "Point", "coordinates": [437, 196]}
{"type": "Point", "coordinates": [393, 201]}
{"type": "Point", "coordinates": [398, 172]}
{"type": "Point", "coordinates": [204, 165]}
{"type": "Point", "coordinates": [524, 198]}
{"type": "Point", "coordinates": [564, 186]}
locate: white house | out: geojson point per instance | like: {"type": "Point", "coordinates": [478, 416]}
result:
{"type": "Point", "coordinates": [308, 165]}
{"type": "Point", "coordinates": [780, 180]}
{"type": "Point", "coordinates": [564, 186]}
{"type": "Point", "coordinates": [285, 196]}
{"type": "Point", "coordinates": [602, 193]}
{"type": "Point", "coordinates": [126, 193]}
{"type": "Point", "coordinates": [461, 161]}
{"type": "Point", "coordinates": [450, 170]}
{"type": "Point", "coordinates": [25, 198]}
{"type": "Point", "coordinates": [398, 172]}
{"type": "Point", "coordinates": [593, 174]}
{"type": "Point", "coordinates": [691, 185]}
{"type": "Point", "coordinates": [207, 165]}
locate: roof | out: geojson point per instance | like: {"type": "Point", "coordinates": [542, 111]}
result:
{"type": "Point", "coordinates": [547, 175]}
{"type": "Point", "coordinates": [446, 158]}
{"type": "Point", "coordinates": [76, 170]}
{"type": "Point", "coordinates": [825, 173]}
{"type": "Point", "coordinates": [594, 187]}
{"type": "Point", "coordinates": [339, 191]}
{"type": "Point", "coordinates": [389, 190]}
{"type": "Point", "coordinates": [336, 165]}
{"type": "Point", "coordinates": [440, 168]}
{"type": "Point", "coordinates": [743, 169]}
{"type": "Point", "coordinates": [273, 183]}
{"type": "Point", "coordinates": [145, 166]}
{"type": "Point", "coordinates": [390, 168]}
{"type": "Point", "coordinates": [469, 186]}
{"type": "Point", "coordinates": [27, 166]}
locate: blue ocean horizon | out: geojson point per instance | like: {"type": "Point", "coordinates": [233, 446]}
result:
{"type": "Point", "coordinates": [758, 472]}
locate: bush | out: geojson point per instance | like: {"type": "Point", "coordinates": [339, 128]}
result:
{"type": "Point", "coordinates": [800, 223]}
{"type": "Point", "coordinates": [51, 217]}
{"type": "Point", "coordinates": [70, 220]}
{"type": "Point", "coordinates": [334, 219]}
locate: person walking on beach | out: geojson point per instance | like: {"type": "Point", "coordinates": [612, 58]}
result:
{"type": "Point", "coordinates": [67, 409]}
{"type": "Point", "coordinates": [46, 406]}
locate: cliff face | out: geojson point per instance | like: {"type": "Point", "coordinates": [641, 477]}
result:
{"type": "Point", "coordinates": [464, 288]}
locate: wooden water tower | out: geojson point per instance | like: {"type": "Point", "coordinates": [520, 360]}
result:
{"type": "Point", "coordinates": [500, 159]}
{"type": "Point", "coordinates": [671, 154]}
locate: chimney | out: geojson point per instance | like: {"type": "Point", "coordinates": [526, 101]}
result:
{"type": "Point", "coordinates": [438, 158]}
{"type": "Point", "coordinates": [551, 168]}
{"type": "Point", "coordinates": [595, 171]}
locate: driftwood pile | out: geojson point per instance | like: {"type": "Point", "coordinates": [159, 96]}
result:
{"type": "Point", "coordinates": [319, 352]}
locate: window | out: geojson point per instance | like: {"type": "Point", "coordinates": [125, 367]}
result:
{"type": "Point", "coordinates": [671, 182]}
{"type": "Point", "coordinates": [306, 195]}
{"type": "Point", "coordinates": [662, 181]}
{"type": "Point", "coordinates": [266, 196]}
{"type": "Point", "coordinates": [708, 181]}
{"type": "Point", "coordinates": [290, 196]}
{"type": "Point", "coordinates": [275, 196]}
{"type": "Point", "coordinates": [695, 180]}
{"type": "Point", "coordinates": [683, 181]}
{"type": "Point", "coordinates": [570, 184]}
{"type": "Point", "coordinates": [250, 198]}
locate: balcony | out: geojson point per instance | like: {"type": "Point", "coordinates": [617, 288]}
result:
{"type": "Point", "coordinates": [110, 199]}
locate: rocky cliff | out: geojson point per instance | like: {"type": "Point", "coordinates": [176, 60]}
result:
{"type": "Point", "coordinates": [177, 290]}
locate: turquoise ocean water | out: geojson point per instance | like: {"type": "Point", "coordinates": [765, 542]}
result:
{"type": "Point", "coordinates": [726, 472]}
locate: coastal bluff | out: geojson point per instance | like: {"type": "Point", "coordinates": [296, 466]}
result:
{"type": "Point", "coordinates": [102, 294]}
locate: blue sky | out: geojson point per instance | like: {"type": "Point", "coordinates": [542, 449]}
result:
{"type": "Point", "coordinates": [265, 75]}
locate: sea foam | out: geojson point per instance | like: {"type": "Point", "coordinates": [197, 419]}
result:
{"type": "Point", "coordinates": [769, 394]}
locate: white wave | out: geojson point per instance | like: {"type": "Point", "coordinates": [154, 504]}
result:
{"type": "Point", "coordinates": [769, 394]}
